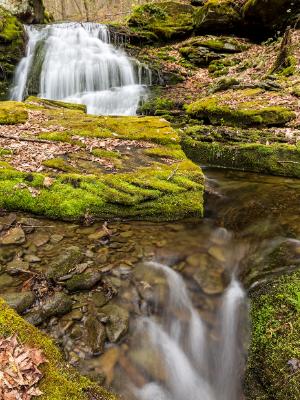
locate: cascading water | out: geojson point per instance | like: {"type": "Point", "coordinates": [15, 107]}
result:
{"type": "Point", "coordinates": [77, 63]}
{"type": "Point", "coordinates": [195, 365]}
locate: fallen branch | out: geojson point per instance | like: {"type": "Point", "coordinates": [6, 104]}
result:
{"type": "Point", "coordinates": [20, 139]}
{"type": "Point", "coordinates": [172, 174]}
{"type": "Point", "coordinates": [288, 162]}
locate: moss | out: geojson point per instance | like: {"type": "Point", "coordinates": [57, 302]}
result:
{"type": "Point", "coordinates": [12, 43]}
{"type": "Point", "coordinates": [156, 106]}
{"type": "Point", "coordinates": [102, 153]}
{"type": "Point", "coordinates": [290, 68]}
{"type": "Point", "coordinates": [250, 113]}
{"type": "Point", "coordinates": [220, 67]}
{"type": "Point", "coordinates": [275, 315]}
{"type": "Point", "coordinates": [167, 20]}
{"type": "Point", "coordinates": [173, 152]}
{"type": "Point", "coordinates": [275, 159]}
{"type": "Point", "coordinates": [59, 164]}
{"type": "Point", "coordinates": [60, 381]}
{"type": "Point", "coordinates": [56, 104]}
{"type": "Point", "coordinates": [5, 152]}
{"type": "Point", "coordinates": [12, 113]}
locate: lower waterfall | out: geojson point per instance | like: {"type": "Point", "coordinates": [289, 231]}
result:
{"type": "Point", "coordinates": [196, 364]}
{"type": "Point", "coordinates": [77, 63]}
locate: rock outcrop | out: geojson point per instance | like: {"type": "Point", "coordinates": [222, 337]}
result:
{"type": "Point", "coordinates": [27, 11]}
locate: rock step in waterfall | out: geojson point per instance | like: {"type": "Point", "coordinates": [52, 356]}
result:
{"type": "Point", "coordinates": [76, 63]}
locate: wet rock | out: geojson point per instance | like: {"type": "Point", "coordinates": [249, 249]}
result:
{"type": "Point", "coordinates": [56, 238]}
{"type": "Point", "coordinates": [7, 281]}
{"type": "Point", "coordinates": [7, 221]}
{"type": "Point", "coordinates": [19, 301]}
{"type": "Point", "coordinates": [95, 335]}
{"type": "Point", "coordinates": [99, 299]}
{"type": "Point", "coordinates": [31, 258]}
{"type": "Point", "coordinates": [107, 363]}
{"type": "Point", "coordinates": [58, 304]}
{"type": "Point", "coordinates": [98, 235]}
{"type": "Point", "coordinates": [83, 281]}
{"type": "Point", "coordinates": [40, 239]}
{"type": "Point", "coordinates": [217, 253]}
{"type": "Point", "coordinates": [117, 324]}
{"type": "Point", "coordinates": [29, 224]}
{"type": "Point", "coordinates": [148, 360]}
{"type": "Point", "coordinates": [6, 254]}
{"type": "Point", "coordinates": [14, 236]}
{"type": "Point", "coordinates": [16, 266]}
{"type": "Point", "coordinates": [210, 279]}
{"type": "Point", "coordinates": [68, 259]}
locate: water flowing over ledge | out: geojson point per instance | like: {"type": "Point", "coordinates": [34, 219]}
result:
{"type": "Point", "coordinates": [77, 63]}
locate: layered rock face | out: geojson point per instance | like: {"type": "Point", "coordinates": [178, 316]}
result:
{"type": "Point", "coordinates": [12, 46]}
{"type": "Point", "coordinates": [28, 11]}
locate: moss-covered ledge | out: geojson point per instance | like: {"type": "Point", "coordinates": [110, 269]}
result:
{"type": "Point", "coordinates": [71, 165]}
{"type": "Point", "coordinates": [268, 151]}
{"type": "Point", "coordinates": [273, 370]}
{"type": "Point", "coordinates": [60, 381]}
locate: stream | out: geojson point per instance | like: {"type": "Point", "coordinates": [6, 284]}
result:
{"type": "Point", "coordinates": [159, 311]}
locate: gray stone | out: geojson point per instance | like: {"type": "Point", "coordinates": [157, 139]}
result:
{"type": "Point", "coordinates": [83, 281]}
{"type": "Point", "coordinates": [117, 324]}
{"type": "Point", "coordinates": [66, 260]}
{"type": "Point", "coordinates": [94, 335]}
{"type": "Point", "coordinates": [19, 301]}
{"type": "Point", "coordinates": [16, 266]}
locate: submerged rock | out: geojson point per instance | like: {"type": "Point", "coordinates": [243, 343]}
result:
{"type": "Point", "coordinates": [13, 236]}
{"type": "Point", "coordinates": [84, 281]}
{"type": "Point", "coordinates": [118, 321]}
{"type": "Point", "coordinates": [68, 259]}
{"type": "Point", "coordinates": [19, 301]}
{"type": "Point", "coordinates": [95, 335]}
{"type": "Point", "coordinates": [58, 304]}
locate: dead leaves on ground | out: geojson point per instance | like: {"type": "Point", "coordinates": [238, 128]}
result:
{"type": "Point", "coordinates": [19, 373]}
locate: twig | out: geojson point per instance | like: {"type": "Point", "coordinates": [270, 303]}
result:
{"type": "Point", "coordinates": [172, 173]}
{"type": "Point", "coordinates": [288, 162]}
{"type": "Point", "coordinates": [20, 139]}
{"type": "Point", "coordinates": [33, 226]}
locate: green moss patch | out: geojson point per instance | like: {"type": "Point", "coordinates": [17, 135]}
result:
{"type": "Point", "coordinates": [131, 178]}
{"type": "Point", "coordinates": [247, 109]}
{"type": "Point", "coordinates": [12, 113]}
{"type": "Point", "coordinates": [60, 381]}
{"type": "Point", "coordinates": [167, 20]}
{"type": "Point", "coordinates": [275, 342]}
{"type": "Point", "coordinates": [246, 150]}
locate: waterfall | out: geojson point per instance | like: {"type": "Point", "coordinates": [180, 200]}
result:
{"type": "Point", "coordinates": [196, 366]}
{"type": "Point", "coordinates": [77, 63]}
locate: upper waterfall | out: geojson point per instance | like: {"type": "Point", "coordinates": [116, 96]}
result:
{"type": "Point", "coordinates": [76, 62]}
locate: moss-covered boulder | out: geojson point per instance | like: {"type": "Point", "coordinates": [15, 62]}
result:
{"type": "Point", "coordinates": [12, 113]}
{"type": "Point", "coordinates": [218, 16]}
{"type": "Point", "coordinates": [274, 355]}
{"type": "Point", "coordinates": [267, 17]}
{"type": "Point", "coordinates": [12, 47]}
{"type": "Point", "coordinates": [27, 11]}
{"type": "Point", "coordinates": [246, 108]}
{"type": "Point", "coordinates": [166, 20]}
{"type": "Point", "coordinates": [266, 151]}
{"type": "Point", "coordinates": [74, 166]}
{"type": "Point", "coordinates": [60, 381]}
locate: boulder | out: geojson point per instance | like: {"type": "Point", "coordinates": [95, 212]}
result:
{"type": "Point", "coordinates": [19, 301]}
{"type": "Point", "coordinates": [167, 20]}
{"type": "Point", "coordinates": [27, 11]}
{"type": "Point", "coordinates": [83, 281]}
{"type": "Point", "coordinates": [67, 260]}
{"type": "Point", "coordinates": [266, 17]}
{"type": "Point", "coordinates": [13, 236]}
{"type": "Point", "coordinates": [12, 48]}
{"type": "Point", "coordinates": [218, 16]}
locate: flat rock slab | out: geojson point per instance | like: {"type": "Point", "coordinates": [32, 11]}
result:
{"type": "Point", "coordinates": [63, 163]}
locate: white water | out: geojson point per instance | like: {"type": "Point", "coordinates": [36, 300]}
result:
{"type": "Point", "coordinates": [80, 65]}
{"type": "Point", "coordinates": [196, 366]}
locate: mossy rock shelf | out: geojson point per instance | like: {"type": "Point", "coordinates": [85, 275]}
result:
{"type": "Point", "coordinates": [251, 150]}
{"type": "Point", "coordinates": [104, 167]}
{"type": "Point", "coordinates": [60, 381]}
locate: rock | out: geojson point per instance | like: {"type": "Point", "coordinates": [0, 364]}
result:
{"type": "Point", "coordinates": [220, 16]}
{"type": "Point", "coordinates": [19, 301]}
{"type": "Point", "coordinates": [56, 238]}
{"type": "Point", "coordinates": [149, 361]}
{"type": "Point", "coordinates": [13, 236]}
{"type": "Point", "coordinates": [15, 266]}
{"type": "Point", "coordinates": [7, 221]}
{"type": "Point", "coordinates": [65, 261]}
{"type": "Point", "coordinates": [40, 239]}
{"type": "Point", "coordinates": [32, 258]}
{"type": "Point", "coordinates": [95, 335]}
{"type": "Point", "coordinates": [29, 224]}
{"type": "Point", "coordinates": [83, 281]}
{"type": "Point", "coordinates": [107, 363]}
{"type": "Point", "coordinates": [98, 235]}
{"type": "Point", "coordinates": [12, 47]}
{"type": "Point", "coordinates": [6, 254]}
{"type": "Point", "coordinates": [27, 11]}
{"type": "Point", "coordinates": [264, 18]}
{"type": "Point", "coordinates": [217, 253]}
{"type": "Point", "coordinates": [98, 299]}
{"type": "Point", "coordinates": [58, 304]}
{"type": "Point", "coordinates": [118, 322]}
{"type": "Point", "coordinates": [6, 281]}
{"type": "Point", "coordinates": [166, 20]}
{"type": "Point", "coordinates": [200, 56]}
{"type": "Point", "coordinates": [210, 279]}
